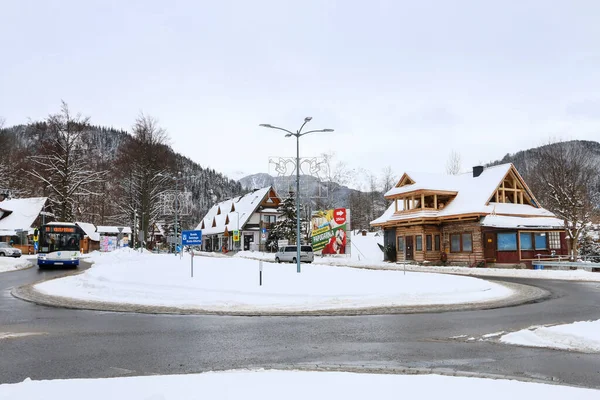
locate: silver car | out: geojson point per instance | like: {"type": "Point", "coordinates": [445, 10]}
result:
{"type": "Point", "coordinates": [6, 250]}
{"type": "Point", "coordinates": [289, 254]}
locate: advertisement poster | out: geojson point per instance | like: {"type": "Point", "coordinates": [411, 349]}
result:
{"type": "Point", "coordinates": [329, 232]}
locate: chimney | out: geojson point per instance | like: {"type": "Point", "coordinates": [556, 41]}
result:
{"type": "Point", "coordinates": [477, 170]}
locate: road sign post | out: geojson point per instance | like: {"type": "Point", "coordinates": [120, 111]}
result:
{"type": "Point", "coordinates": [191, 238]}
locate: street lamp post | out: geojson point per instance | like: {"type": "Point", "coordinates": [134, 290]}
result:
{"type": "Point", "coordinates": [297, 134]}
{"type": "Point", "coordinates": [176, 179]}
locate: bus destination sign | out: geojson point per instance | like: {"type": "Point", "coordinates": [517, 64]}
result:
{"type": "Point", "coordinates": [60, 229]}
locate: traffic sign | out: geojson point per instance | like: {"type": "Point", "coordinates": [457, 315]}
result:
{"type": "Point", "coordinates": [35, 246]}
{"type": "Point", "coordinates": [191, 238]}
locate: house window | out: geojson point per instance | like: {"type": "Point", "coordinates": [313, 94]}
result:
{"type": "Point", "coordinates": [400, 244]}
{"type": "Point", "coordinates": [428, 243]}
{"type": "Point", "coordinates": [526, 242]}
{"type": "Point", "coordinates": [540, 241]}
{"type": "Point", "coordinates": [554, 240]}
{"type": "Point", "coordinates": [269, 219]}
{"type": "Point", "coordinates": [461, 242]}
{"type": "Point", "coordinates": [437, 242]}
{"type": "Point", "coordinates": [467, 242]}
{"type": "Point", "coordinates": [507, 241]}
{"type": "Point", "coordinates": [419, 244]}
{"type": "Point", "coordinates": [455, 243]}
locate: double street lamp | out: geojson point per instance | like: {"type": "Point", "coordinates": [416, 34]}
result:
{"type": "Point", "coordinates": [176, 179]}
{"type": "Point", "coordinates": [297, 134]}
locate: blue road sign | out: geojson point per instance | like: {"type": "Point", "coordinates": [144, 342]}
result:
{"type": "Point", "coordinates": [191, 238]}
{"type": "Point", "coordinates": [35, 245]}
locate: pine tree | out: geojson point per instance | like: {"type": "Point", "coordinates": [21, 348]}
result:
{"type": "Point", "coordinates": [588, 247]}
{"type": "Point", "coordinates": [285, 227]}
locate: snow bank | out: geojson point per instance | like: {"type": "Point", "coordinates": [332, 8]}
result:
{"type": "Point", "coordinates": [290, 385]}
{"type": "Point", "coordinates": [580, 336]}
{"type": "Point", "coordinates": [576, 275]}
{"type": "Point", "coordinates": [13, 264]}
{"type": "Point", "coordinates": [231, 284]}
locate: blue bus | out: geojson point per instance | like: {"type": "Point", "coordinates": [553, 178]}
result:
{"type": "Point", "coordinates": [59, 244]}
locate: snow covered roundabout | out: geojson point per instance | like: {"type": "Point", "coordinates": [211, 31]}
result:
{"type": "Point", "coordinates": [291, 385]}
{"type": "Point", "coordinates": [140, 282]}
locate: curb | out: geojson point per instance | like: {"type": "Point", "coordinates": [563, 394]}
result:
{"type": "Point", "coordinates": [524, 294]}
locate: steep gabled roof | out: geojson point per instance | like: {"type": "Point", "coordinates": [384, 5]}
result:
{"type": "Point", "coordinates": [216, 221]}
{"type": "Point", "coordinates": [90, 230]}
{"type": "Point", "coordinates": [19, 214]}
{"type": "Point", "coordinates": [472, 195]}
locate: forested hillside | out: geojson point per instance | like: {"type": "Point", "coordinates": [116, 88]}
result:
{"type": "Point", "coordinates": [107, 176]}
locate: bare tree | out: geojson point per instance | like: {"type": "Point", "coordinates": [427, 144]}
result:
{"type": "Point", "coordinates": [2, 121]}
{"type": "Point", "coordinates": [566, 179]}
{"type": "Point", "coordinates": [61, 164]}
{"type": "Point", "coordinates": [454, 163]}
{"type": "Point", "coordinates": [147, 164]}
{"type": "Point", "coordinates": [388, 179]}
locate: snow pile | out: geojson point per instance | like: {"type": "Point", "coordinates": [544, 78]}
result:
{"type": "Point", "coordinates": [366, 248]}
{"type": "Point", "coordinates": [291, 385]}
{"type": "Point", "coordinates": [575, 275]}
{"type": "Point", "coordinates": [232, 284]}
{"type": "Point", "coordinates": [13, 264]}
{"type": "Point", "coordinates": [580, 336]}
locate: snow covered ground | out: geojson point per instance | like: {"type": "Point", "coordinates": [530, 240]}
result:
{"type": "Point", "coordinates": [290, 385]}
{"type": "Point", "coordinates": [577, 275]}
{"type": "Point", "coordinates": [579, 336]}
{"type": "Point", "coordinates": [366, 254]}
{"type": "Point", "coordinates": [13, 264]}
{"type": "Point", "coordinates": [231, 284]}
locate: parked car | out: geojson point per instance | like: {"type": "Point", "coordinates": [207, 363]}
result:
{"type": "Point", "coordinates": [6, 250]}
{"type": "Point", "coordinates": [289, 254]}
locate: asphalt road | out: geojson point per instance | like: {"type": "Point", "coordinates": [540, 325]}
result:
{"type": "Point", "coordinates": [90, 344]}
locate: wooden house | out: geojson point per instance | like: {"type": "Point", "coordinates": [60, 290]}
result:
{"type": "Point", "coordinates": [253, 215]}
{"type": "Point", "coordinates": [489, 216]}
{"type": "Point", "coordinates": [19, 218]}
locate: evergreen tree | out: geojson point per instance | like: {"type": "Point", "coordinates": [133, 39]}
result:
{"type": "Point", "coordinates": [588, 247]}
{"type": "Point", "coordinates": [285, 227]}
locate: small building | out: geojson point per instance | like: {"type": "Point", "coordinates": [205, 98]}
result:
{"type": "Point", "coordinates": [489, 216]}
{"type": "Point", "coordinates": [91, 240]}
{"type": "Point", "coordinates": [19, 218]}
{"type": "Point", "coordinates": [253, 215]}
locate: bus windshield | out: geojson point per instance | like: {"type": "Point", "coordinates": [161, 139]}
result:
{"type": "Point", "coordinates": [53, 238]}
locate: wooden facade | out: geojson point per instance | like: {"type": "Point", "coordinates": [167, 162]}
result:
{"type": "Point", "coordinates": [457, 222]}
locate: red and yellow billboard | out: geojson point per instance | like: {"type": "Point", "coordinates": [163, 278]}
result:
{"type": "Point", "coordinates": [329, 231]}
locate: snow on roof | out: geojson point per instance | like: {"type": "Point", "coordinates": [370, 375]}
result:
{"type": "Point", "coordinates": [90, 230]}
{"type": "Point", "coordinates": [244, 207]}
{"type": "Point", "coordinates": [503, 221]}
{"type": "Point", "coordinates": [472, 195]}
{"type": "Point", "coordinates": [20, 213]}
{"type": "Point", "coordinates": [112, 229]}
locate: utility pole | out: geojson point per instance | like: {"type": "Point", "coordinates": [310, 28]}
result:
{"type": "Point", "coordinates": [297, 134]}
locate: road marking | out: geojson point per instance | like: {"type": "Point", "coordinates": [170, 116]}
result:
{"type": "Point", "coordinates": [10, 335]}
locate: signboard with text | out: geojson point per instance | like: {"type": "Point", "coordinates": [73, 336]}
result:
{"type": "Point", "coordinates": [329, 231]}
{"type": "Point", "coordinates": [191, 238]}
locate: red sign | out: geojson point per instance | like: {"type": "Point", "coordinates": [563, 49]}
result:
{"type": "Point", "coordinates": [339, 215]}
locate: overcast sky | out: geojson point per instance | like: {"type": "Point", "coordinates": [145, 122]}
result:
{"type": "Point", "coordinates": [402, 82]}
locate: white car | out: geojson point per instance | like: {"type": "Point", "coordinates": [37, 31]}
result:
{"type": "Point", "coordinates": [289, 254]}
{"type": "Point", "coordinates": [6, 250]}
